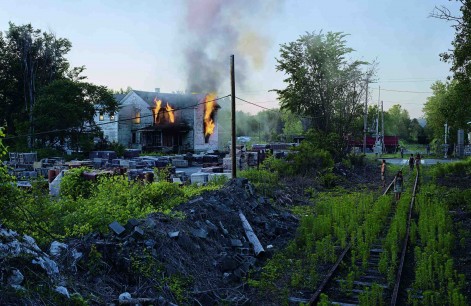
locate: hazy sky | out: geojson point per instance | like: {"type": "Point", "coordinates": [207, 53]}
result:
{"type": "Point", "coordinates": [148, 44]}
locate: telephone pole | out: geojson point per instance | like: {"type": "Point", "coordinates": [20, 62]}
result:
{"type": "Point", "coordinates": [365, 118]}
{"type": "Point", "coordinates": [382, 126]}
{"type": "Point", "coordinates": [233, 120]}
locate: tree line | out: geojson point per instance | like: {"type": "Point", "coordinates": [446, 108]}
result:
{"type": "Point", "coordinates": [325, 92]}
{"type": "Point", "coordinates": [450, 102]}
{"type": "Point", "coordinates": [41, 92]}
{"type": "Point", "coordinates": [44, 102]}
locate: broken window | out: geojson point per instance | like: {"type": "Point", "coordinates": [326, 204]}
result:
{"type": "Point", "coordinates": [137, 117]}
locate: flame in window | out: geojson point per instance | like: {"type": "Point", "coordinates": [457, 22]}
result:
{"type": "Point", "coordinates": [210, 108]}
{"type": "Point", "coordinates": [160, 113]}
{"type": "Point", "coordinates": [171, 115]}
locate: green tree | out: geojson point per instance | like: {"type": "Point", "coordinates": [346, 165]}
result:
{"type": "Point", "coordinates": [67, 107]}
{"type": "Point", "coordinates": [397, 122]}
{"type": "Point", "coordinates": [271, 125]}
{"type": "Point", "coordinates": [460, 55]}
{"type": "Point", "coordinates": [321, 83]}
{"type": "Point", "coordinates": [450, 103]}
{"type": "Point", "coordinates": [292, 124]}
{"type": "Point", "coordinates": [30, 59]}
{"type": "Point", "coordinates": [415, 130]}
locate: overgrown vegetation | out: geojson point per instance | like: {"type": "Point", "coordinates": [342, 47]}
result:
{"type": "Point", "coordinates": [458, 168]}
{"type": "Point", "coordinates": [435, 276]}
{"type": "Point", "coordinates": [334, 220]}
{"type": "Point", "coordinates": [89, 206]}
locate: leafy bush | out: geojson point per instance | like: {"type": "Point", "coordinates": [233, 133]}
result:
{"type": "Point", "coordinates": [329, 180]}
{"type": "Point", "coordinates": [277, 165]}
{"type": "Point", "coordinates": [74, 185]}
{"type": "Point", "coordinates": [265, 182]}
{"type": "Point", "coordinates": [354, 160]}
{"type": "Point", "coordinates": [330, 142]}
{"type": "Point", "coordinates": [162, 196]}
{"type": "Point", "coordinates": [309, 160]}
{"type": "Point", "coordinates": [459, 168]}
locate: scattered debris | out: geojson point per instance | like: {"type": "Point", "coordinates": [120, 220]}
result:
{"type": "Point", "coordinates": [257, 246]}
{"type": "Point", "coordinates": [62, 290]}
{"type": "Point", "coordinates": [117, 228]}
{"type": "Point", "coordinates": [215, 245]}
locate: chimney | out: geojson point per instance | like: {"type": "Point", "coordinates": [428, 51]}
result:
{"type": "Point", "coordinates": [157, 90]}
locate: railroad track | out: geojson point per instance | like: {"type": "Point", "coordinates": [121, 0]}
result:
{"type": "Point", "coordinates": [371, 276]}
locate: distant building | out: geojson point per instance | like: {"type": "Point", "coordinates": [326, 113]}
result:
{"type": "Point", "coordinates": [155, 121]}
{"type": "Point", "coordinates": [391, 143]}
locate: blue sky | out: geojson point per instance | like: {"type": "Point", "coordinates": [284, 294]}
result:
{"type": "Point", "coordinates": [142, 43]}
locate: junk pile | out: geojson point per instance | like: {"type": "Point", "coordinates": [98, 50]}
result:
{"type": "Point", "coordinates": [200, 255]}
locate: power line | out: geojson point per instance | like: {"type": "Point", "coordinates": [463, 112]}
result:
{"type": "Point", "coordinates": [408, 91]}
{"type": "Point", "coordinates": [402, 79]}
{"type": "Point", "coordinates": [115, 121]}
{"type": "Point", "coordinates": [404, 102]}
{"type": "Point", "coordinates": [275, 110]}
{"type": "Point", "coordinates": [256, 104]}
{"type": "Point", "coordinates": [406, 81]}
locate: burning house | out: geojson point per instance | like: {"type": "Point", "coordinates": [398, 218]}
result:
{"type": "Point", "coordinates": [155, 121]}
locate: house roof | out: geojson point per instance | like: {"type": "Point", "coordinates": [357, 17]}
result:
{"type": "Point", "coordinates": [119, 97]}
{"type": "Point", "coordinates": [174, 100]}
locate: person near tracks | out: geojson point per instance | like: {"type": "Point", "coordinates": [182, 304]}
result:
{"type": "Point", "coordinates": [411, 162]}
{"type": "Point", "coordinates": [398, 185]}
{"type": "Point", "coordinates": [417, 161]}
{"type": "Point", "coordinates": [383, 172]}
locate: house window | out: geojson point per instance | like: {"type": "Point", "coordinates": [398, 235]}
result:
{"type": "Point", "coordinates": [137, 117]}
{"type": "Point", "coordinates": [101, 117]}
{"type": "Point", "coordinates": [112, 117]}
{"type": "Point", "coordinates": [133, 137]}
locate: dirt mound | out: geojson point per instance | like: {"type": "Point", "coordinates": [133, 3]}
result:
{"type": "Point", "coordinates": [199, 255]}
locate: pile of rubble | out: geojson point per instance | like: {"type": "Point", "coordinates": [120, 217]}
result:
{"type": "Point", "coordinates": [210, 244]}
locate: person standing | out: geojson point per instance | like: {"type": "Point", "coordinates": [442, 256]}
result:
{"type": "Point", "coordinates": [402, 152]}
{"type": "Point", "coordinates": [398, 185]}
{"type": "Point", "coordinates": [417, 161]}
{"type": "Point", "coordinates": [383, 172]}
{"type": "Point", "coordinates": [411, 162]}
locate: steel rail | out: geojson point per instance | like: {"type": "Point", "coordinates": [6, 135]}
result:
{"type": "Point", "coordinates": [404, 246]}
{"type": "Point", "coordinates": [331, 272]}
{"type": "Point", "coordinates": [321, 287]}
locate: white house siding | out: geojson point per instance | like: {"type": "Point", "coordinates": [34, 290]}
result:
{"type": "Point", "coordinates": [109, 127]}
{"type": "Point", "coordinates": [129, 105]}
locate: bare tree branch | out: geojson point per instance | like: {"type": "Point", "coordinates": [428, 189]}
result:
{"type": "Point", "coordinates": [442, 12]}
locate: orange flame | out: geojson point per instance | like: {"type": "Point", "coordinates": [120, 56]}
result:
{"type": "Point", "coordinates": [209, 108]}
{"type": "Point", "coordinates": [171, 115]}
{"type": "Point", "coordinates": [158, 104]}
{"type": "Point", "coordinates": [159, 112]}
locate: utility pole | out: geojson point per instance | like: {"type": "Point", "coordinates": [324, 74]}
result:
{"type": "Point", "coordinates": [259, 137]}
{"type": "Point", "coordinates": [233, 120]}
{"type": "Point", "coordinates": [382, 126]}
{"type": "Point", "coordinates": [446, 145]}
{"type": "Point", "coordinates": [365, 118]}
{"type": "Point", "coordinates": [377, 140]}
